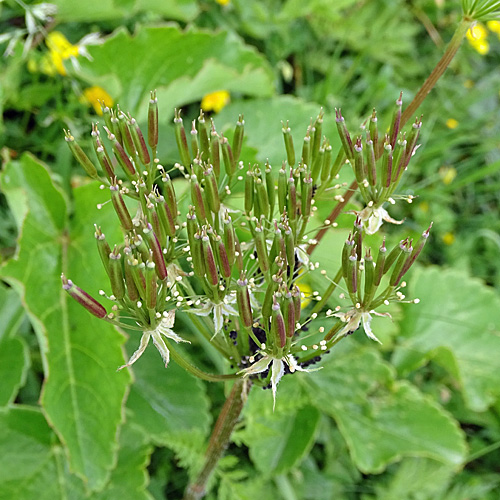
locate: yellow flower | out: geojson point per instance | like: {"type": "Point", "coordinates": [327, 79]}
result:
{"type": "Point", "coordinates": [447, 174]}
{"type": "Point", "coordinates": [95, 95]}
{"type": "Point", "coordinates": [305, 293]}
{"type": "Point", "coordinates": [494, 26]}
{"type": "Point", "coordinates": [451, 123]}
{"type": "Point", "coordinates": [215, 101]}
{"type": "Point", "coordinates": [477, 38]}
{"type": "Point", "coordinates": [222, 2]}
{"type": "Point", "coordinates": [57, 42]}
{"type": "Point", "coordinates": [448, 238]}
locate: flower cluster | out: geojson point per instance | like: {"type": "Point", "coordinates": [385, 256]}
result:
{"type": "Point", "coordinates": [477, 36]}
{"type": "Point", "coordinates": [235, 273]}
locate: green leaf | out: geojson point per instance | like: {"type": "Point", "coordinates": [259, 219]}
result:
{"type": "Point", "coordinates": [14, 353]}
{"type": "Point", "coordinates": [263, 125]}
{"type": "Point", "coordinates": [456, 324]}
{"type": "Point", "coordinates": [82, 393]}
{"type": "Point", "coordinates": [278, 440]}
{"type": "Point", "coordinates": [102, 10]}
{"type": "Point", "coordinates": [166, 401]}
{"type": "Point", "coordinates": [182, 65]}
{"type": "Point", "coordinates": [382, 419]}
{"type": "Point", "coordinates": [30, 465]}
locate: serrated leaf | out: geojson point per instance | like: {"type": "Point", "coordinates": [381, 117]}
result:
{"type": "Point", "coordinates": [101, 10]}
{"type": "Point", "coordinates": [278, 439]}
{"type": "Point", "coordinates": [182, 65]}
{"type": "Point", "coordinates": [382, 420]}
{"type": "Point", "coordinates": [263, 129]}
{"type": "Point", "coordinates": [30, 466]}
{"type": "Point", "coordinates": [456, 324]}
{"type": "Point", "coordinates": [166, 401]}
{"type": "Point", "coordinates": [82, 394]}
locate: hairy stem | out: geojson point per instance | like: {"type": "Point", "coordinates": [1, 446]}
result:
{"type": "Point", "coordinates": [219, 440]}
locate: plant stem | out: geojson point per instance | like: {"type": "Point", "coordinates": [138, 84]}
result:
{"type": "Point", "coordinates": [438, 71]}
{"type": "Point", "coordinates": [218, 440]}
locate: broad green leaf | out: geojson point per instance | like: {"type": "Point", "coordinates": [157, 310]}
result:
{"type": "Point", "coordinates": [263, 129]}
{"type": "Point", "coordinates": [102, 10]}
{"type": "Point", "coordinates": [14, 355]}
{"type": "Point", "coordinates": [166, 401]}
{"type": "Point", "coordinates": [129, 479]}
{"type": "Point", "coordinates": [456, 324]}
{"type": "Point", "coordinates": [31, 466]}
{"type": "Point", "coordinates": [382, 419]}
{"type": "Point", "coordinates": [82, 393]}
{"type": "Point", "coordinates": [182, 65]}
{"type": "Point", "coordinates": [279, 439]}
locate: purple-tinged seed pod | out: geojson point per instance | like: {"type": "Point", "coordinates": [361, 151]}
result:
{"type": "Point", "coordinates": [153, 121]}
{"type": "Point", "coordinates": [278, 324]}
{"type": "Point", "coordinates": [228, 158]}
{"type": "Point", "coordinates": [139, 141]}
{"type": "Point", "coordinates": [344, 135]}
{"type": "Point", "coordinates": [211, 190]}
{"type": "Point", "coordinates": [215, 150]}
{"type": "Point", "coordinates": [412, 140]}
{"type": "Point", "coordinates": [197, 199]}
{"type": "Point", "coordinates": [127, 140]}
{"type": "Point", "coordinates": [289, 314]}
{"type": "Point", "coordinates": [204, 142]}
{"type": "Point", "coordinates": [380, 264]}
{"type": "Point", "coordinates": [394, 255]}
{"type": "Point", "coordinates": [210, 265]}
{"type": "Point", "coordinates": [396, 121]}
{"type": "Point", "coordinates": [170, 197]}
{"type": "Point", "coordinates": [120, 207]}
{"type": "Point", "coordinates": [122, 156]}
{"type": "Point", "coordinates": [80, 156]}
{"type": "Point", "coordinates": [297, 302]}
{"type": "Point", "coordinates": [83, 298]}
{"type": "Point", "coordinates": [195, 147]}
{"type": "Point", "coordinates": [180, 137]}
{"type": "Point", "coordinates": [151, 285]}
{"type": "Point", "coordinates": [104, 160]}
{"type": "Point", "coordinates": [132, 291]}
{"type": "Point", "coordinates": [156, 251]}
{"type": "Point", "coordinates": [243, 301]}
{"type": "Point", "coordinates": [229, 239]}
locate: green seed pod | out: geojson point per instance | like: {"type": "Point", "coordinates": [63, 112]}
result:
{"type": "Point", "coordinates": [344, 135]}
{"type": "Point", "coordinates": [249, 191]}
{"type": "Point", "coordinates": [370, 163]}
{"type": "Point", "coordinates": [297, 302]}
{"type": "Point", "coordinates": [399, 161]}
{"type": "Point", "coordinates": [278, 324]}
{"type": "Point", "coordinates": [412, 140]}
{"type": "Point", "coordinates": [166, 218]}
{"type": "Point", "coordinates": [197, 199]}
{"type": "Point", "coordinates": [243, 301]}
{"type": "Point", "coordinates": [210, 265]}
{"type": "Point", "coordinates": [369, 276]}
{"type": "Point", "coordinates": [262, 197]}
{"type": "Point", "coordinates": [104, 160]}
{"type": "Point", "coordinates": [415, 253]}
{"type": "Point", "coordinates": [102, 247]}
{"type": "Point", "coordinates": [132, 291]}
{"type": "Point", "coordinates": [154, 219]}
{"type": "Point", "coordinates": [83, 298]}
{"type": "Point", "coordinates": [359, 165]}
{"type": "Point", "coordinates": [204, 142]}
{"type": "Point", "coordinates": [80, 156]}
{"type": "Point", "coordinates": [373, 129]}
{"type": "Point", "coordinates": [289, 314]}
{"type": "Point", "coordinates": [137, 270]}
{"type": "Point", "coordinates": [346, 252]}
{"type": "Point", "coordinates": [106, 114]}
{"type": "Point", "coordinates": [227, 156]}
{"type": "Point", "coordinates": [267, 304]}
{"type": "Point", "coordinates": [140, 246]}
{"type": "Point", "coordinates": [292, 199]}
{"type": "Point", "coordinates": [327, 163]}
{"type": "Point", "coordinates": [282, 189]}
{"type": "Point", "coordinates": [156, 252]}
{"type": "Point", "coordinates": [306, 197]}
{"type": "Point", "coordinates": [261, 249]}
{"type": "Point", "coordinates": [396, 121]}
{"type": "Point", "coordinates": [153, 121]}
{"type": "Point", "coordinates": [224, 265]}
{"type": "Point", "coordinates": [407, 249]}
{"type": "Point", "coordinates": [126, 134]}
{"type": "Point", "coordinates": [352, 272]}
{"type": "Point", "coordinates": [380, 265]}
{"type": "Point", "coordinates": [123, 159]}
{"type": "Point", "coordinates": [116, 274]}
{"type": "Point", "coordinates": [139, 142]}
{"type": "Point", "coordinates": [239, 132]}
{"type": "Point", "coordinates": [337, 164]}
{"type": "Point", "coordinates": [215, 151]}
{"type": "Point", "coordinates": [115, 128]}
{"type": "Point", "coordinates": [290, 248]}
{"type": "Point", "coordinates": [120, 208]}
{"type": "Point", "coordinates": [229, 239]}
{"type": "Point", "coordinates": [180, 137]}
{"type": "Point", "coordinates": [170, 197]}
{"type": "Point", "coordinates": [151, 285]}
{"type": "Point", "coordinates": [270, 187]}
{"type": "Point", "coordinates": [211, 191]}
{"type": "Point", "coordinates": [306, 149]}
{"type": "Point", "coordinates": [317, 165]}
{"type": "Point", "coordinates": [393, 256]}
{"type": "Point", "coordinates": [387, 166]}
{"type": "Point", "coordinates": [290, 151]}
{"type": "Point", "coordinates": [198, 256]}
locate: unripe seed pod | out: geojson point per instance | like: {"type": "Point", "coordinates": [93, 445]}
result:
{"type": "Point", "coordinates": [344, 135]}
{"type": "Point", "coordinates": [369, 275]}
{"type": "Point", "coordinates": [238, 138]}
{"type": "Point", "coordinates": [180, 137]}
{"type": "Point", "coordinates": [105, 160]}
{"type": "Point", "coordinates": [292, 199]}
{"type": "Point", "coordinates": [102, 247]}
{"type": "Point", "coordinates": [211, 191]}
{"type": "Point", "coordinates": [249, 192]}
{"type": "Point", "coordinates": [278, 324]}
{"type": "Point", "coordinates": [290, 151]}
{"type": "Point", "coordinates": [316, 137]}
{"type": "Point", "coordinates": [297, 302]}
{"type": "Point", "coordinates": [215, 151]}
{"type": "Point", "coordinates": [379, 267]}
{"type": "Point", "coordinates": [393, 256]}
{"type": "Point", "coordinates": [359, 165]}
{"type": "Point", "coordinates": [195, 147]}
{"type": "Point", "coordinates": [412, 140]}
{"type": "Point", "coordinates": [327, 163]}
{"type": "Point", "coordinates": [197, 199]}
{"type": "Point", "coordinates": [282, 189]}
{"type": "Point", "coordinates": [229, 240]}
{"type": "Point", "coordinates": [132, 291]}
{"type": "Point", "coordinates": [243, 301]}
{"type": "Point", "coordinates": [122, 158]}
{"type": "Point", "coordinates": [83, 298]}
{"type": "Point", "coordinates": [198, 256]}
{"type": "Point", "coordinates": [317, 165]}
{"type": "Point", "coordinates": [271, 194]}
{"type": "Point", "coordinates": [268, 298]}
{"type": "Point", "coordinates": [260, 247]}
{"type": "Point", "coordinates": [306, 196]}
{"type": "Point", "coordinates": [127, 140]}
{"type": "Point", "coordinates": [210, 265]}
{"type": "Point", "coordinates": [396, 121]}
{"type": "Point", "coordinates": [352, 273]}
{"type": "Point", "coordinates": [225, 267]}
{"type": "Point", "coordinates": [139, 142]}
{"type": "Point", "coordinates": [116, 274]}
{"type": "Point", "coordinates": [204, 143]}
{"type": "Point", "coordinates": [306, 149]}
{"type": "Point", "coordinates": [153, 121]}
{"type": "Point", "coordinates": [151, 286]}
{"type": "Point", "coordinates": [374, 129]}
{"type": "Point", "coordinates": [170, 197]}
{"type": "Point", "coordinates": [370, 162]}
{"type": "Point", "coordinates": [80, 156]}
{"type": "Point", "coordinates": [120, 207]}
{"type": "Point", "coordinates": [289, 314]}
{"type": "Point", "coordinates": [262, 197]}
{"type": "Point", "coordinates": [227, 156]}
{"type": "Point", "coordinates": [156, 252]}
{"type": "Point", "coordinates": [387, 166]}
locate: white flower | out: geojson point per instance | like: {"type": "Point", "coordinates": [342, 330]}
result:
{"type": "Point", "coordinates": [277, 369]}
{"type": "Point", "coordinates": [164, 328]}
{"type": "Point", "coordinates": [372, 218]}
{"type": "Point", "coordinates": [219, 310]}
{"type": "Point", "coordinates": [353, 318]}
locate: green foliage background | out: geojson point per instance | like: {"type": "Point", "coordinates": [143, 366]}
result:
{"type": "Point", "coordinates": [417, 418]}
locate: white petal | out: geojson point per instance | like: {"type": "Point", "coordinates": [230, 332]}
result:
{"type": "Point", "coordinates": [162, 348]}
{"type": "Point", "coordinates": [257, 367]}
{"type": "Point", "coordinates": [277, 371]}
{"type": "Point", "coordinates": [218, 319]}
{"type": "Point", "coordinates": [137, 354]}
{"type": "Point", "coordinates": [168, 320]}
{"type": "Point", "coordinates": [366, 325]}
{"type": "Point", "coordinates": [388, 218]}
{"type": "Point", "coordinates": [302, 255]}
{"type": "Point", "coordinates": [202, 311]}
{"type": "Point", "coordinates": [229, 310]}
